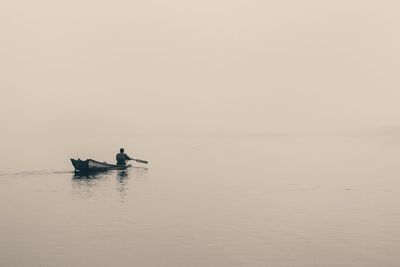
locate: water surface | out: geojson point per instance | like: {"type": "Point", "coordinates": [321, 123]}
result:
{"type": "Point", "coordinates": [266, 200]}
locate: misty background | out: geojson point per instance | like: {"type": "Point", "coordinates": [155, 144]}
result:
{"type": "Point", "coordinates": [272, 129]}
{"type": "Point", "coordinates": [197, 66]}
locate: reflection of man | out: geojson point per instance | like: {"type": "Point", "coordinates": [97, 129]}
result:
{"type": "Point", "coordinates": [122, 157]}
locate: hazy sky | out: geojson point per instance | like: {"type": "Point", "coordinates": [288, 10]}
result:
{"type": "Point", "coordinates": [159, 66]}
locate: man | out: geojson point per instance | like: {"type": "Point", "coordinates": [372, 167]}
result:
{"type": "Point", "coordinates": [122, 157]}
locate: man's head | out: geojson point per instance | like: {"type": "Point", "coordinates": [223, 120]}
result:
{"type": "Point", "coordinates": [122, 150]}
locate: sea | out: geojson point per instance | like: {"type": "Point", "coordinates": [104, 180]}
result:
{"type": "Point", "coordinates": [245, 199]}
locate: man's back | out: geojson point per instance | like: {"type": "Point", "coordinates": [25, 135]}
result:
{"type": "Point", "coordinates": [122, 158]}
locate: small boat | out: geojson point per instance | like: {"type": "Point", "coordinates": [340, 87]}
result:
{"type": "Point", "coordinates": [91, 165]}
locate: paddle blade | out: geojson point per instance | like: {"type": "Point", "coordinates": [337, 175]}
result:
{"type": "Point", "coordinates": [141, 161]}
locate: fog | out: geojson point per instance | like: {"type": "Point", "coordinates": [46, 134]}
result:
{"type": "Point", "coordinates": [271, 129]}
{"type": "Point", "coordinates": [147, 67]}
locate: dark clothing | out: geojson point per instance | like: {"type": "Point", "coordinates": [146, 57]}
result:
{"type": "Point", "coordinates": [122, 158]}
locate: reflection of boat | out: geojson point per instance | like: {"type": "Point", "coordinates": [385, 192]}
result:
{"type": "Point", "coordinates": [91, 165]}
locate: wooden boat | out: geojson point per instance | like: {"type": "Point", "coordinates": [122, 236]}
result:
{"type": "Point", "coordinates": [91, 165]}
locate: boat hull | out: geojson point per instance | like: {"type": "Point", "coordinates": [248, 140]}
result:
{"type": "Point", "coordinates": [91, 165]}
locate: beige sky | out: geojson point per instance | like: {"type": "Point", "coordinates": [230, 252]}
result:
{"type": "Point", "coordinates": [151, 66]}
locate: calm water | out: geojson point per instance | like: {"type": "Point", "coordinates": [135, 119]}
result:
{"type": "Point", "coordinates": [205, 201]}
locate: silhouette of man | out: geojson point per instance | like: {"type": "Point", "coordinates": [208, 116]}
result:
{"type": "Point", "coordinates": [122, 157]}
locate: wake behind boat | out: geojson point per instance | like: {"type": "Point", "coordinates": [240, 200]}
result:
{"type": "Point", "coordinates": [91, 165]}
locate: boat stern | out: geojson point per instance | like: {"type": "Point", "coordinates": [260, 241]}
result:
{"type": "Point", "coordinates": [80, 165]}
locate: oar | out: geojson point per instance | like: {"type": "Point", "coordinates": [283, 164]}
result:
{"type": "Point", "coordinates": [139, 160]}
